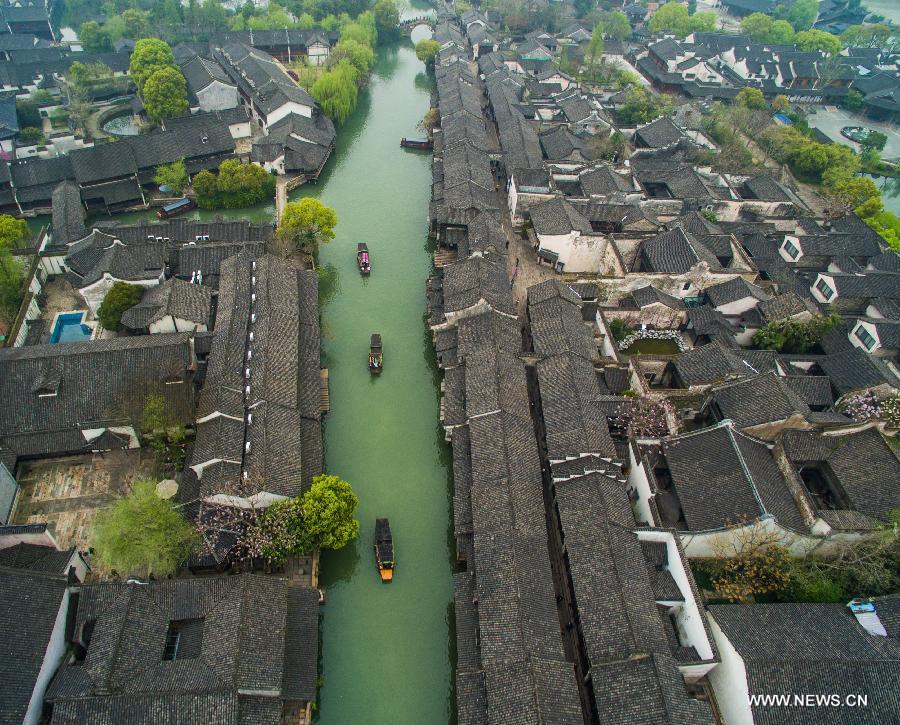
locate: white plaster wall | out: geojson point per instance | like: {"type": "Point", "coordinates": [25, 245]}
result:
{"type": "Point", "coordinates": [218, 96]}
{"type": "Point", "coordinates": [53, 265]}
{"type": "Point", "coordinates": [729, 681]}
{"type": "Point", "coordinates": [639, 481]}
{"type": "Point", "coordinates": [738, 307]}
{"type": "Point", "coordinates": [241, 130]}
{"type": "Point", "coordinates": [287, 109]}
{"type": "Point", "coordinates": [689, 618]}
{"type": "Point", "coordinates": [586, 254]}
{"type": "Point", "coordinates": [175, 324]}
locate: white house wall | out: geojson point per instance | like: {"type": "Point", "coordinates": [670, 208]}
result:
{"type": "Point", "coordinates": [729, 681]}
{"type": "Point", "coordinates": [218, 96]}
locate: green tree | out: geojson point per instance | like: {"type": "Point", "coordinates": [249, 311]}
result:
{"type": "Point", "coordinates": [93, 38]}
{"type": "Point", "coordinates": [306, 224]}
{"type": "Point", "coordinates": [120, 297]}
{"type": "Point", "coordinates": [794, 336]}
{"type": "Point", "coordinates": [237, 185]}
{"type": "Point", "coordinates": [137, 24]}
{"type": "Point", "coordinates": [165, 94]}
{"type": "Point", "coordinates": [283, 531]}
{"type": "Point", "coordinates": [817, 40]}
{"type": "Point", "coordinates": [849, 192]}
{"type": "Point", "coordinates": [617, 26]}
{"type": "Point", "coordinates": [149, 56]}
{"type": "Point", "coordinates": [174, 175]}
{"type": "Point", "coordinates": [142, 534]}
{"type": "Point", "coordinates": [595, 48]}
{"type": "Point", "coordinates": [328, 510]}
{"type": "Point", "coordinates": [803, 13]}
{"type": "Point", "coordinates": [205, 185]}
{"type": "Point", "coordinates": [758, 26]}
{"type": "Point", "coordinates": [752, 98]}
{"type": "Point", "coordinates": [782, 33]}
{"type": "Point", "coordinates": [853, 101]}
{"type": "Point", "coordinates": [387, 16]}
{"type": "Point", "coordinates": [671, 16]}
{"type": "Point", "coordinates": [28, 113]}
{"type": "Point", "coordinates": [212, 15]}
{"type": "Point", "coordinates": [427, 50]}
{"type": "Point", "coordinates": [781, 104]}
{"type": "Point", "coordinates": [359, 55]}
{"type": "Point", "coordinates": [642, 106]}
{"type": "Point", "coordinates": [336, 91]}
{"type": "Point", "coordinates": [875, 140]}
{"type": "Point", "coordinates": [702, 22]}
{"type": "Point", "coordinates": [31, 136]}
{"type": "Point", "coordinates": [874, 36]}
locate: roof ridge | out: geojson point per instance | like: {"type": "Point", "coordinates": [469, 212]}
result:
{"type": "Point", "coordinates": [745, 467]}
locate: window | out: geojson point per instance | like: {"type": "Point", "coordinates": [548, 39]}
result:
{"type": "Point", "coordinates": [865, 337]}
{"type": "Point", "coordinates": [791, 249]}
{"type": "Point", "coordinates": [685, 287]}
{"type": "Point", "coordinates": [824, 289]}
{"type": "Point", "coordinates": [184, 639]}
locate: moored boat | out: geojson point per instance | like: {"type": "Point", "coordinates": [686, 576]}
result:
{"type": "Point", "coordinates": [176, 208]}
{"type": "Point", "coordinates": [376, 354]}
{"type": "Point", "coordinates": [384, 549]}
{"type": "Point", "coordinates": [362, 258]}
{"type": "Point", "coordinates": [425, 144]}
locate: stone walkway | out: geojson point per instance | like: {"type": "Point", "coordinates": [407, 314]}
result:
{"type": "Point", "coordinates": [522, 263]}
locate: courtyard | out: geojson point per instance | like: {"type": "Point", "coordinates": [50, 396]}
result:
{"type": "Point", "coordinates": [66, 493]}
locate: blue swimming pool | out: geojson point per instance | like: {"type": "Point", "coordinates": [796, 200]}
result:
{"type": "Point", "coordinates": [70, 327]}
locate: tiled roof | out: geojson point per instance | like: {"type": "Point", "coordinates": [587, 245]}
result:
{"type": "Point", "coordinates": [659, 133]}
{"type": "Point", "coordinates": [797, 648]}
{"type": "Point", "coordinates": [558, 216]}
{"type": "Point", "coordinates": [68, 387]}
{"type": "Point", "coordinates": [99, 254]}
{"type": "Point", "coordinates": [235, 639]}
{"type": "Point", "coordinates": [34, 557]}
{"type": "Point", "coordinates": [68, 215]}
{"type": "Point", "coordinates": [175, 298]}
{"type": "Point", "coordinates": [258, 75]}
{"type": "Point", "coordinates": [29, 604]}
{"type": "Point", "coordinates": [675, 252]}
{"type": "Point", "coordinates": [734, 290]}
{"type": "Point", "coordinates": [714, 363]}
{"type": "Point", "coordinates": [765, 398]}
{"type": "Point", "coordinates": [870, 487]}
{"type": "Point", "coordinates": [722, 477]}
{"type": "Point", "coordinates": [269, 439]}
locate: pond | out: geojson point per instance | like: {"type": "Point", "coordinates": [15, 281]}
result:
{"type": "Point", "coordinates": [121, 126]}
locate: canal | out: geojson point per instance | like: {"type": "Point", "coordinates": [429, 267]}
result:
{"type": "Point", "coordinates": [386, 653]}
{"type": "Point", "coordinates": [385, 647]}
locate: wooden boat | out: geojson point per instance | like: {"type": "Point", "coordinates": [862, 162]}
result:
{"type": "Point", "coordinates": [376, 355]}
{"type": "Point", "coordinates": [424, 144]}
{"type": "Point", "coordinates": [362, 258]}
{"type": "Point", "coordinates": [384, 549]}
{"type": "Point", "coordinates": [176, 208]}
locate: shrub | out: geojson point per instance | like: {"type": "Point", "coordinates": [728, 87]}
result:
{"type": "Point", "coordinates": [121, 296]}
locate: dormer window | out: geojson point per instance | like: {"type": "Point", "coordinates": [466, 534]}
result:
{"type": "Point", "coordinates": [865, 337]}
{"type": "Point", "coordinates": [824, 289]}
{"type": "Point", "coordinates": [791, 249]}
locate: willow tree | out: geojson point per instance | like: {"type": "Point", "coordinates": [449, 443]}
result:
{"type": "Point", "coordinates": [336, 91]}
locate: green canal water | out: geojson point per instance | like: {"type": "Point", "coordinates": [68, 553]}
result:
{"type": "Point", "coordinates": [386, 655]}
